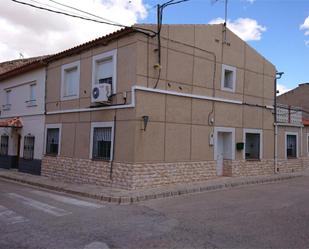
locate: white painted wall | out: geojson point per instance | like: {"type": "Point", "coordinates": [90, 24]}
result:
{"type": "Point", "coordinates": [20, 93]}
{"type": "Point", "coordinates": [33, 117]}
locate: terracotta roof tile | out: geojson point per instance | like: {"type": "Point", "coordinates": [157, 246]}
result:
{"type": "Point", "coordinates": [13, 122]}
{"type": "Point", "coordinates": [7, 66]}
{"type": "Point", "coordinates": [305, 121]}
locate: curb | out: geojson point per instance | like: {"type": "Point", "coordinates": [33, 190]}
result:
{"type": "Point", "coordinates": [159, 195]}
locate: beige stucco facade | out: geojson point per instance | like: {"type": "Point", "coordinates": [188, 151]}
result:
{"type": "Point", "coordinates": [186, 110]}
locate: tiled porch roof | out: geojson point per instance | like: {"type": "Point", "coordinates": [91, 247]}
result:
{"type": "Point", "coordinates": [306, 121]}
{"type": "Point", "coordinates": [13, 122]}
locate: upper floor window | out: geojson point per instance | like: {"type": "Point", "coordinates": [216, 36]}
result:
{"type": "Point", "coordinates": [104, 69]}
{"type": "Point", "coordinates": [7, 105]}
{"type": "Point", "coordinates": [53, 135]}
{"type": "Point", "coordinates": [4, 145]}
{"type": "Point", "coordinates": [291, 145]}
{"type": "Point", "coordinates": [32, 96]}
{"type": "Point", "coordinates": [29, 147]}
{"type": "Point", "coordinates": [228, 78]}
{"type": "Point", "coordinates": [70, 74]}
{"type": "Point", "coordinates": [32, 92]}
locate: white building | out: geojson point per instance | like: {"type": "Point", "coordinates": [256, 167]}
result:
{"type": "Point", "coordinates": [22, 105]}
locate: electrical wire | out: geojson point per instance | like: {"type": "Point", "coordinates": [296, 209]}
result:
{"type": "Point", "coordinates": [160, 20]}
{"type": "Point", "coordinates": [142, 30]}
{"type": "Point", "coordinates": [84, 12]}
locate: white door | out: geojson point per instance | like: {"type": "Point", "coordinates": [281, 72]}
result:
{"type": "Point", "coordinates": [224, 149]}
{"type": "Point", "coordinates": [219, 158]}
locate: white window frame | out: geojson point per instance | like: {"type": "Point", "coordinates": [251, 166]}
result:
{"type": "Point", "coordinates": [32, 86]}
{"type": "Point", "coordinates": [253, 131]}
{"type": "Point", "coordinates": [53, 126]}
{"type": "Point", "coordinates": [8, 96]}
{"type": "Point", "coordinates": [32, 102]}
{"type": "Point", "coordinates": [224, 129]}
{"type": "Point", "coordinates": [229, 68]}
{"type": "Point", "coordinates": [308, 144]}
{"type": "Point", "coordinates": [102, 125]}
{"type": "Point", "coordinates": [64, 68]}
{"type": "Point", "coordinates": [110, 54]}
{"type": "Point", "coordinates": [297, 145]}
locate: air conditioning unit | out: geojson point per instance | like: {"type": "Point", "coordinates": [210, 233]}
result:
{"type": "Point", "coordinates": [101, 92]}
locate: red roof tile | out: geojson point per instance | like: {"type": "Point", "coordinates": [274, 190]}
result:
{"type": "Point", "coordinates": [13, 122]}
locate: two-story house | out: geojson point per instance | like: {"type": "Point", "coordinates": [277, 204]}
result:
{"type": "Point", "coordinates": [123, 111]}
{"type": "Point", "coordinates": [130, 110]}
{"type": "Point", "coordinates": [292, 128]}
{"type": "Point", "coordinates": [22, 95]}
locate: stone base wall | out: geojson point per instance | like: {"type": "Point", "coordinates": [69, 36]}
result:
{"type": "Point", "coordinates": [158, 174]}
{"type": "Point", "coordinates": [88, 171]}
{"type": "Point", "coordinates": [142, 175]}
{"type": "Point", "coordinates": [292, 165]}
{"type": "Point", "coordinates": [126, 175]}
{"type": "Point", "coordinates": [252, 167]}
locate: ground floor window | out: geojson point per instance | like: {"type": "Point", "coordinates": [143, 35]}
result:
{"type": "Point", "coordinates": [291, 145]}
{"type": "Point", "coordinates": [253, 144]}
{"type": "Point", "coordinates": [4, 145]}
{"type": "Point", "coordinates": [102, 141]}
{"type": "Point", "coordinates": [29, 147]}
{"type": "Point", "coordinates": [52, 141]}
{"type": "Point", "coordinates": [308, 144]}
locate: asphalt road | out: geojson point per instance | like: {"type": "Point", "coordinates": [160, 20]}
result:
{"type": "Point", "coordinates": [261, 216]}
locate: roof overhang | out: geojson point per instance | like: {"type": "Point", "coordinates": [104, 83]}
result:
{"type": "Point", "coordinates": [12, 123]}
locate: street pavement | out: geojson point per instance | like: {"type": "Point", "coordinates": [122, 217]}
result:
{"type": "Point", "coordinates": [260, 216]}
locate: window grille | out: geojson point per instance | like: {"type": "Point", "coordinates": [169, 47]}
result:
{"type": "Point", "coordinates": [4, 145]}
{"type": "Point", "coordinates": [29, 147]}
{"type": "Point", "coordinates": [102, 140]}
{"type": "Point", "coordinates": [52, 141]}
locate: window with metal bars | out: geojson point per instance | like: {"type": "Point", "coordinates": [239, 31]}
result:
{"type": "Point", "coordinates": [52, 141]}
{"type": "Point", "coordinates": [102, 141]}
{"type": "Point", "coordinates": [29, 147]}
{"type": "Point", "coordinates": [291, 147]}
{"type": "Point", "coordinates": [4, 145]}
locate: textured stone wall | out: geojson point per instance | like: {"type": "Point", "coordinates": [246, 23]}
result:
{"type": "Point", "coordinates": [87, 171]}
{"type": "Point", "coordinates": [127, 176]}
{"type": "Point", "coordinates": [252, 167]}
{"type": "Point", "coordinates": [292, 165]}
{"type": "Point", "coordinates": [158, 174]}
{"type": "Point", "coordinates": [142, 175]}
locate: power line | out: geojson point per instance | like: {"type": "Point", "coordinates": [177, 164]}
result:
{"type": "Point", "coordinates": [86, 18]}
{"type": "Point", "coordinates": [82, 11]}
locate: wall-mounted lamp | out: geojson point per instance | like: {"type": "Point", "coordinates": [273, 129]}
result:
{"type": "Point", "coordinates": [145, 120]}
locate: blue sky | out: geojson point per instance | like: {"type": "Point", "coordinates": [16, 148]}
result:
{"type": "Point", "coordinates": [272, 27]}
{"type": "Point", "coordinates": [283, 43]}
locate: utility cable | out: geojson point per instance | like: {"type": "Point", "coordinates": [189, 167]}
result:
{"type": "Point", "coordinates": [142, 30]}
{"type": "Point", "coordinates": [85, 12]}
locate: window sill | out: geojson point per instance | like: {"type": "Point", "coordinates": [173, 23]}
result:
{"type": "Point", "coordinates": [253, 159]}
{"type": "Point", "coordinates": [232, 90]}
{"type": "Point", "coordinates": [51, 155]}
{"type": "Point", "coordinates": [69, 97]}
{"type": "Point", "coordinates": [101, 160]}
{"type": "Point", "coordinates": [31, 103]}
{"type": "Point", "coordinates": [292, 158]}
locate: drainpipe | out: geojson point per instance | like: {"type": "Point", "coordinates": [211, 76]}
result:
{"type": "Point", "coordinates": [278, 76]}
{"type": "Point", "coordinates": [301, 142]}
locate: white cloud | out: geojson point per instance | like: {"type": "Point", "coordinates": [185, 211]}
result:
{"type": "Point", "coordinates": [35, 32]}
{"type": "Point", "coordinates": [307, 43]}
{"type": "Point", "coordinates": [282, 89]}
{"type": "Point", "coordinates": [246, 28]}
{"type": "Point", "coordinates": [305, 26]}
{"type": "Point", "coordinates": [250, 1]}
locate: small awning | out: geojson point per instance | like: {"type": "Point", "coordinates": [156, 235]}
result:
{"type": "Point", "coordinates": [305, 121]}
{"type": "Point", "coordinates": [13, 123]}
